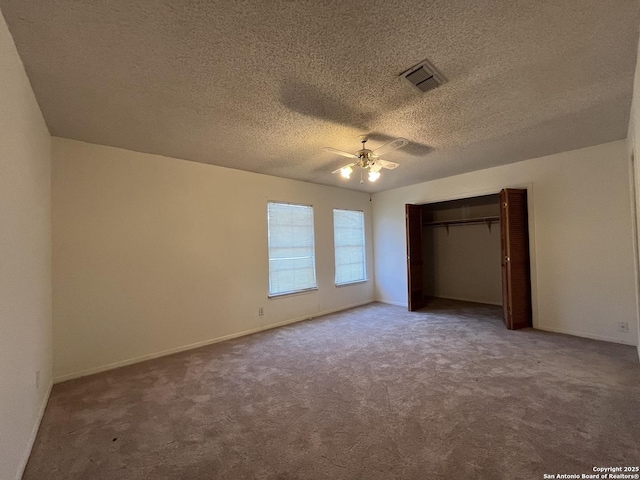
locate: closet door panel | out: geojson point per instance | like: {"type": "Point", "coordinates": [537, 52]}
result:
{"type": "Point", "coordinates": [515, 259]}
{"type": "Point", "coordinates": [503, 260]}
{"type": "Point", "coordinates": [415, 262]}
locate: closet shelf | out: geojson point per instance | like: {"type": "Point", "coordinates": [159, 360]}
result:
{"type": "Point", "coordinates": [468, 221]}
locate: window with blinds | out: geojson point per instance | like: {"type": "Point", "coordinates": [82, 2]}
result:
{"type": "Point", "coordinates": [348, 235]}
{"type": "Point", "coordinates": [292, 264]}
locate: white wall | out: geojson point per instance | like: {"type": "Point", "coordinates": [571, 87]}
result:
{"type": "Point", "coordinates": [154, 254]}
{"type": "Point", "coordinates": [464, 263]}
{"type": "Point", "coordinates": [580, 232]}
{"type": "Point", "coordinates": [25, 261]}
{"type": "Point", "coordinates": [633, 137]}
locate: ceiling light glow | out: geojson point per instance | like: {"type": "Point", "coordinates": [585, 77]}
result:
{"type": "Point", "coordinates": [346, 172]}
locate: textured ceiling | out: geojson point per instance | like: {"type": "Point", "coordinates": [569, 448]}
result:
{"type": "Point", "coordinates": [264, 85]}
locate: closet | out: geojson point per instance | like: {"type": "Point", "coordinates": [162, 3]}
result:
{"type": "Point", "coordinates": [474, 249]}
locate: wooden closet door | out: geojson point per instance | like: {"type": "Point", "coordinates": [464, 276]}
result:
{"type": "Point", "coordinates": [516, 278]}
{"type": "Point", "coordinates": [415, 262]}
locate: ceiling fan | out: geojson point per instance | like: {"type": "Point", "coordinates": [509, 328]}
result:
{"type": "Point", "coordinates": [369, 159]}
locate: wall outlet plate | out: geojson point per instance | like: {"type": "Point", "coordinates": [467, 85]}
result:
{"type": "Point", "coordinates": [623, 327]}
{"type": "Point", "coordinates": [260, 311]}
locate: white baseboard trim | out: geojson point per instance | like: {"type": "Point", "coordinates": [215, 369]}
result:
{"type": "Point", "coordinates": [191, 346]}
{"type": "Point", "coordinates": [391, 302]}
{"type": "Point", "coordinates": [34, 434]}
{"type": "Point", "coordinates": [639, 352]}
{"type": "Point", "coordinates": [603, 338]}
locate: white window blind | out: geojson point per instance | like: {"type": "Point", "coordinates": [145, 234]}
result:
{"type": "Point", "coordinates": [348, 235]}
{"type": "Point", "coordinates": [292, 264]}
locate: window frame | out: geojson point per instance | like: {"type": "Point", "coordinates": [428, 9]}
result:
{"type": "Point", "coordinates": [364, 250]}
{"type": "Point", "coordinates": [300, 291]}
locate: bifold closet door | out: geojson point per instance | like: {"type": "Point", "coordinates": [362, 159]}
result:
{"type": "Point", "coordinates": [415, 262]}
{"type": "Point", "coordinates": [516, 278]}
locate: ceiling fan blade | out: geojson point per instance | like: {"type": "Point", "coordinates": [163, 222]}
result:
{"type": "Point", "coordinates": [387, 164]}
{"type": "Point", "coordinates": [392, 145]}
{"type": "Point", "coordinates": [345, 166]}
{"type": "Point", "coordinates": [339, 152]}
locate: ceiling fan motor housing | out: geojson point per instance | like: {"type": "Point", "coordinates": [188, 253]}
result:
{"type": "Point", "coordinates": [366, 157]}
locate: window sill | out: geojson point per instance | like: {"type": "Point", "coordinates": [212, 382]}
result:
{"type": "Point", "coordinates": [289, 294]}
{"type": "Point", "coordinates": [346, 284]}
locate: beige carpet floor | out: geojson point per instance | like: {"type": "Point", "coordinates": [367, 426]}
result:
{"type": "Point", "coordinates": [371, 393]}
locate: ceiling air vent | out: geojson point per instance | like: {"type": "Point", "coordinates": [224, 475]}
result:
{"type": "Point", "coordinates": [424, 77]}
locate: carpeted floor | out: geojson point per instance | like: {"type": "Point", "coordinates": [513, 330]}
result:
{"type": "Point", "coordinates": [374, 392]}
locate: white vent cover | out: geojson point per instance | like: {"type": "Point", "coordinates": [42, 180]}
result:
{"type": "Point", "coordinates": [424, 77]}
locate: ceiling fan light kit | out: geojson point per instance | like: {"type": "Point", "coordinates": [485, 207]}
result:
{"type": "Point", "coordinates": [346, 171]}
{"type": "Point", "coordinates": [369, 159]}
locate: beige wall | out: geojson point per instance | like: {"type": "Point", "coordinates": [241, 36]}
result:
{"type": "Point", "coordinates": [633, 138]}
{"type": "Point", "coordinates": [153, 255]}
{"type": "Point", "coordinates": [463, 263]}
{"type": "Point", "coordinates": [25, 265]}
{"type": "Point", "coordinates": [580, 232]}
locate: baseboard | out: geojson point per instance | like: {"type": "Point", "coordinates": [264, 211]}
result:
{"type": "Point", "coordinates": [391, 302]}
{"type": "Point", "coordinates": [603, 338]}
{"type": "Point", "coordinates": [470, 301]}
{"type": "Point", "coordinates": [401, 304]}
{"type": "Point", "coordinates": [191, 346]}
{"type": "Point", "coordinates": [34, 434]}
{"type": "Point", "coordinates": [540, 327]}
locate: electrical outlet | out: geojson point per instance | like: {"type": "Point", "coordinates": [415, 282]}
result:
{"type": "Point", "coordinates": [37, 379]}
{"type": "Point", "coordinates": [623, 327]}
{"type": "Point", "coordinates": [260, 311]}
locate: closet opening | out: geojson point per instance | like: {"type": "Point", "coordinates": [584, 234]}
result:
{"type": "Point", "coordinates": [472, 249]}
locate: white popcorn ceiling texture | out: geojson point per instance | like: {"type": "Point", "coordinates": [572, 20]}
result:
{"type": "Point", "coordinates": [264, 85]}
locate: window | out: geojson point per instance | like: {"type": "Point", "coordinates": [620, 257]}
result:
{"type": "Point", "coordinates": [292, 263]}
{"type": "Point", "coordinates": [348, 236]}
